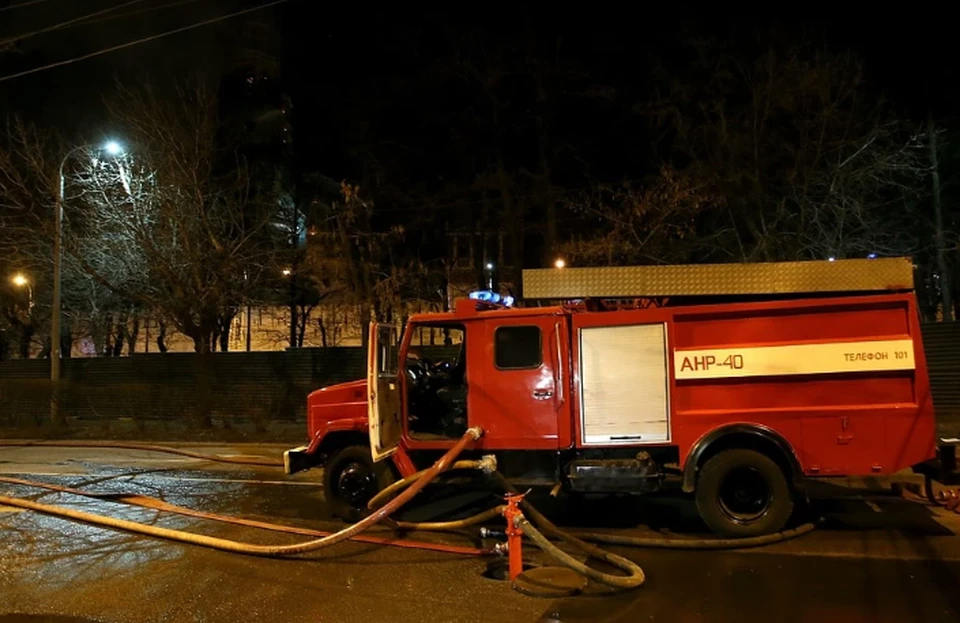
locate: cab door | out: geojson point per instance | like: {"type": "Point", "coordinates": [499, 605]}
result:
{"type": "Point", "coordinates": [521, 401]}
{"type": "Point", "coordinates": [383, 390]}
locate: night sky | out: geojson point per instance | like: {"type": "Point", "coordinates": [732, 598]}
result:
{"type": "Point", "coordinates": [339, 59]}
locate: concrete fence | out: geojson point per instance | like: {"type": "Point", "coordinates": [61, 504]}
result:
{"type": "Point", "coordinates": [246, 387]}
{"type": "Point", "coordinates": [260, 387]}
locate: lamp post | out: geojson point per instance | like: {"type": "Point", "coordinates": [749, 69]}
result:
{"type": "Point", "coordinates": [113, 148]}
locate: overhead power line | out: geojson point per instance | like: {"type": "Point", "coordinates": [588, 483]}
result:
{"type": "Point", "coordinates": [21, 5]}
{"type": "Point", "coordinates": [68, 22]}
{"type": "Point", "coordinates": [129, 44]}
{"type": "Point", "coordinates": [149, 9]}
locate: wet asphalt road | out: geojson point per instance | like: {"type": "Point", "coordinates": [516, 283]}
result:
{"type": "Point", "coordinates": [879, 557]}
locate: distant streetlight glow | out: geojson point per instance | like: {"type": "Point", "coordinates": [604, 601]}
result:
{"type": "Point", "coordinates": [489, 266]}
{"type": "Point", "coordinates": [287, 272]}
{"type": "Point", "coordinates": [560, 263]}
{"type": "Point", "coordinates": [113, 148]}
{"type": "Point", "coordinates": [831, 259]}
{"type": "Point", "coordinates": [20, 280]}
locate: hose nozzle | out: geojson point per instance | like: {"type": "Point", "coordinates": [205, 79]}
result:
{"type": "Point", "coordinates": [490, 533]}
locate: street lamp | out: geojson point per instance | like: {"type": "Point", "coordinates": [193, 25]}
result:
{"type": "Point", "coordinates": [20, 281]}
{"type": "Point", "coordinates": [114, 149]}
{"type": "Point", "coordinates": [559, 263]}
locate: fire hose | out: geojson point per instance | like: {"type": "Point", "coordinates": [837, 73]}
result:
{"type": "Point", "coordinates": [398, 495]}
{"type": "Point", "coordinates": [145, 501]}
{"type": "Point", "coordinates": [578, 539]}
{"type": "Point", "coordinates": [125, 445]}
{"type": "Point", "coordinates": [250, 548]}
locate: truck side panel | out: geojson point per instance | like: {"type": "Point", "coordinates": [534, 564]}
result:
{"type": "Point", "coordinates": [851, 417]}
{"type": "Point", "coordinates": [842, 380]}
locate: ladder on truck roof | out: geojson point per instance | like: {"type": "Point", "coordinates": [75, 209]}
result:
{"type": "Point", "coordinates": [696, 280]}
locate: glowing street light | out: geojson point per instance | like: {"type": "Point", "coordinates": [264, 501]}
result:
{"type": "Point", "coordinates": [559, 263]}
{"type": "Point", "coordinates": [20, 280]}
{"type": "Point", "coordinates": [113, 148]}
{"type": "Point", "coordinates": [287, 272]}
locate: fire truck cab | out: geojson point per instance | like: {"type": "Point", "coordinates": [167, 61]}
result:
{"type": "Point", "coordinates": [736, 382]}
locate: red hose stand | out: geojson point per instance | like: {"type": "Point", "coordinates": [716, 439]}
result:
{"type": "Point", "coordinates": [512, 514]}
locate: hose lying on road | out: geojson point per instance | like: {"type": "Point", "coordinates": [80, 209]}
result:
{"type": "Point", "coordinates": [145, 501]}
{"type": "Point", "coordinates": [249, 548]}
{"type": "Point", "coordinates": [123, 445]}
{"type": "Point", "coordinates": [487, 464]}
{"type": "Point", "coordinates": [446, 526]}
{"type": "Point", "coordinates": [695, 543]}
{"type": "Point", "coordinates": [400, 492]}
{"type": "Point", "coordinates": [580, 539]}
{"type": "Point", "coordinates": [634, 578]}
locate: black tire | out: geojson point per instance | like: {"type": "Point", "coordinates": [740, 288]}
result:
{"type": "Point", "coordinates": [351, 479]}
{"type": "Point", "coordinates": [743, 493]}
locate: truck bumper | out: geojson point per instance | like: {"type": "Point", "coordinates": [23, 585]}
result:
{"type": "Point", "coordinates": [942, 469]}
{"type": "Point", "coordinates": [297, 460]}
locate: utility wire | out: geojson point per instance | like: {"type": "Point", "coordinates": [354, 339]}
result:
{"type": "Point", "coordinates": [129, 44]}
{"type": "Point", "coordinates": [21, 5]}
{"type": "Point", "coordinates": [151, 9]}
{"type": "Point", "coordinates": [68, 22]}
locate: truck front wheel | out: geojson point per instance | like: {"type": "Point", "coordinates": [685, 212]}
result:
{"type": "Point", "coordinates": [351, 479]}
{"type": "Point", "coordinates": [743, 493]}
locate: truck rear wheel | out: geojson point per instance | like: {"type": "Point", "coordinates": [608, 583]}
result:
{"type": "Point", "coordinates": [351, 479]}
{"type": "Point", "coordinates": [743, 493]}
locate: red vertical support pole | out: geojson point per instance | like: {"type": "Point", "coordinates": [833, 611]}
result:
{"type": "Point", "coordinates": [512, 514]}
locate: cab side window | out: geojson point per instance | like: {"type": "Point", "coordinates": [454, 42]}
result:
{"type": "Point", "coordinates": [517, 348]}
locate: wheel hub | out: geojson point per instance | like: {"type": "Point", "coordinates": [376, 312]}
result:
{"type": "Point", "coordinates": [356, 484]}
{"type": "Point", "coordinates": [745, 495]}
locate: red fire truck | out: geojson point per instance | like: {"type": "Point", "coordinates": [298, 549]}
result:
{"type": "Point", "coordinates": [737, 382]}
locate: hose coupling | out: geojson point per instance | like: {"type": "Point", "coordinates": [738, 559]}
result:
{"type": "Point", "coordinates": [501, 549]}
{"type": "Point", "coordinates": [490, 533]}
{"type": "Point", "coordinates": [487, 463]}
{"type": "Point", "coordinates": [476, 431]}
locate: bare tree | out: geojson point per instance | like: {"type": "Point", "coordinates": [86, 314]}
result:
{"type": "Point", "coordinates": [864, 202]}
{"type": "Point", "coordinates": [811, 164]}
{"type": "Point", "coordinates": [175, 225]}
{"type": "Point", "coordinates": [30, 160]}
{"type": "Point", "coordinates": [939, 238]}
{"type": "Point", "coordinates": [652, 223]}
{"type": "Point", "coordinates": [360, 266]}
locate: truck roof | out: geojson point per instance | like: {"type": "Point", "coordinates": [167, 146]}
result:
{"type": "Point", "coordinates": [697, 280]}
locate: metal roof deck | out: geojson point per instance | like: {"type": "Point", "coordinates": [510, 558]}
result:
{"type": "Point", "coordinates": [856, 275]}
